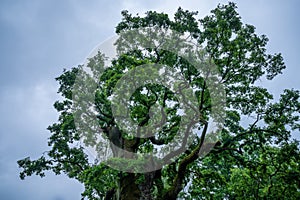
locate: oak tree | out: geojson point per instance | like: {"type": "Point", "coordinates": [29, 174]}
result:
{"type": "Point", "coordinates": [252, 155]}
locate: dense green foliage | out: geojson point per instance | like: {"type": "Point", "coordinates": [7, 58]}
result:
{"type": "Point", "coordinates": [255, 157]}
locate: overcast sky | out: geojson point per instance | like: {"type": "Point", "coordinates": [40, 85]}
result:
{"type": "Point", "coordinates": [38, 38]}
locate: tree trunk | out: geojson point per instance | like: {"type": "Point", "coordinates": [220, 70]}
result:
{"type": "Point", "coordinates": [129, 190]}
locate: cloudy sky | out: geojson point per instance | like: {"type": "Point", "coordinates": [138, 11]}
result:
{"type": "Point", "coordinates": [38, 38]}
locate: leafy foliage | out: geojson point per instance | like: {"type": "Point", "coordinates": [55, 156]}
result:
{"type": "Point", "coordinates": [255, 157]}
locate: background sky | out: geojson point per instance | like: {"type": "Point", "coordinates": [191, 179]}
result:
{"type": "Point", "coordinates": [38, 38]}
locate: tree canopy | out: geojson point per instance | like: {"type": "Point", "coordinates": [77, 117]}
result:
{"type": "Point", "coordinates": [184, 112]}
